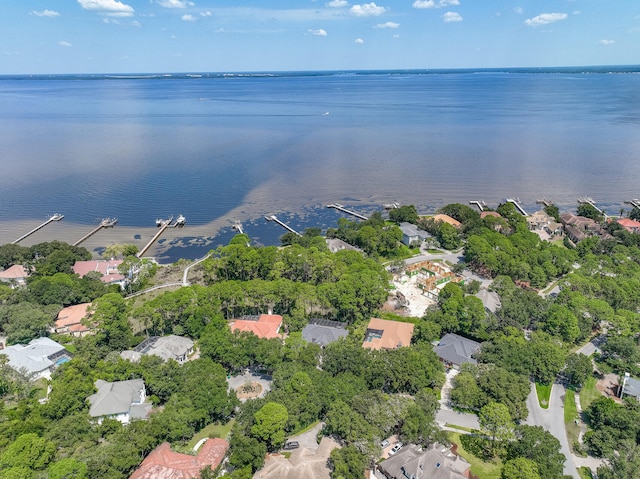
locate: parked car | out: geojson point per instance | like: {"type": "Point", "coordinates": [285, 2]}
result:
{"type": "Point", "coordinates": [291, 445]}
{"type": "Point", "coordinates": [395, 448]}
{"type": "Point", "coordinates": [384, 443]}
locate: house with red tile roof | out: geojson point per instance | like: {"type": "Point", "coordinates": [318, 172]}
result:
{"type": "Point", "coordinates": [265, 326]}
{"type": "Point", "coordinates": [163, 463]}
{"type": "Point", "coordinates": [632, 226]}
{"type": "Point", "coordinates": [69, 320]}
{"type": "Point", "coordinates": [385, 334]}
{"type": "Point", "coordinates": [15, 275]}
{"type": "Point", "coordinates": [447, 219]}
{"type": "Point", "coordinates": [108, 269]}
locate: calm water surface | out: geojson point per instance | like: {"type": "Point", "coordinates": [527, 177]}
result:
{"type": "Point", "coordinates": [239, 147]}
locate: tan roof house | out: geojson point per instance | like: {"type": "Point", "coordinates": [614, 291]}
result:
{"type": "Point", "coordinates": [69, 320]}
{"type": "Point", "coordinates": [632, 226]}
{"type": "Point", "coordinates": [539, 220]}
{"type": "Point", "coordinates": [163, 463]}
{"type": "Point", "coordinates": [435, 462]}
{"type": "Point", "coordinates": [15, 275]}
{"type": "Point", "coordinates": [302, 463]}
{"type": "Point", "coordinates": [447, 219]}
{"type": "Point", "coordinates": [265, 326]}
{"type": "Point", "coordinates": [385, 334]}
{"type": "Point", "coordinates": [107, 269]}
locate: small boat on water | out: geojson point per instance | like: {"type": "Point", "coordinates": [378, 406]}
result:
{"type": "Point", "coordinates": [56, 217]}
{"type": "Point", "coordinates": [159, 222]}
{"type": "Point", "coordinates": [181, 220]}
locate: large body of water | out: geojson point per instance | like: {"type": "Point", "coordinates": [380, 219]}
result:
{"type": "Point", "coordinates": [218, 148]}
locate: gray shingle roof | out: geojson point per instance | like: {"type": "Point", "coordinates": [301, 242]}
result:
{"type": "Point", "coordinates": [116, 398]}
{"type": "Point", "coordinates": [456, 349]}
{"type": "Point", "coordinates": [34, 357]}
{"type": "Point", "coordinates": [436, 462]}
{"type": "Point", "coordinates": [323, 332]}
{"type": "Point", "coordinates": [632, 387]}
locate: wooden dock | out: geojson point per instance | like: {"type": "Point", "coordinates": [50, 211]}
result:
{"type": "Point", "coordinates": [105, 223]}
{"type": "Point", "coordinates": [163, 225]}
{"type": "Point", "coordinates": [589, 201]}
{"type": "Point", "coordinates": [339, 207]}
{"type": "Point", "coordinates": [544, 202]}
{"type": "Point", "coordinates": [56, 217]}
{"type": "Point", "coordinates": [284, 225]}
{"type": "Point", "coordinates": [480, 204]}
{"type": "Point", "coordinates": [518, 206]}
{"type": "Point", "coordinates": [634, 202]}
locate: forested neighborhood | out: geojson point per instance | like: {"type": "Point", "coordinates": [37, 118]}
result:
{"type": "Point", "coordinates": [297, 357]}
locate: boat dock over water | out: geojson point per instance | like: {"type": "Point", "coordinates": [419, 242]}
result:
{"type": "Point", "coordinates": [480, 204]}
{"type": "Point", "coordinates": [518, 206]}
{"type": "Point", "coordinates": [339, 207]}
{"type": "Point", "coordinates": [163, 225]}
{"type": "Point", "coordinates": [55, 217]}
{"type": "Point", "coordinates": [105, 223]}
{"type": "Point", "coordinates": [284, 225]}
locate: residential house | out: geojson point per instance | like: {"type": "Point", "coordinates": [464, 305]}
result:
{"type": "Point", "coordinates": [301, 463]}
{"type": "Point", "coordinates": [70, 320]}
{"type": "Point", "coordinates": [578, 228]}
{"type": "Point", "coordinates": [173, 347]}
{"type": "Point", "coordinates": [447, 219]}
{"type": "Point", "coordinates": [412, 234]}
{"type": "Point", "coordinates": [265, 326]}
{"type": "Point", "coordinates": [120, 400]}
{"type": "Point", "coordinates": [163, 463]}
{"type": "Point", "coordinates": [490, 299]}
{"type": "Point", "coordinates": [454, 350]}
{"type": "Point", "coordinates": [108, 270]}
{"type": "Point", "coordinates": [539, 220]}
{"type": "Point", "coordinates": [630, 387]}
{"type": "Point", "coordinates": [385, 334]}
{"type": "Point", "coordinates": [323, 331]}
{"type": "Point", "coordinates": [335, 245]}
{"type": "Point", "coordinates": [435, 462]}
{"type": "Point", "coordinates": [15, 275]}
{"type": "Point", "coordinates": [494, 214]}
{"type": "Point", "coordinates": [632, 226]}
{"type": "Point", "coordinates": [38, 359]}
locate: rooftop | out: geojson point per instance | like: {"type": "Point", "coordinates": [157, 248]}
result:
{"type": "Point", "coordinates": [385, 334]}
{"type": "Point", "coordinates": [72, 316]}
{"type": "Point", "coordinates": [15, 272]}
{"type": "Point", "coordinates": [456, 350]}
{"type": "Point", "coordinates": [116, 398]}
{"type": "Point", "coordinates": [264, 326]}
{"type": "Point", "coordinates": [34, 357]}
{"type": "Point", "coordinates": [163, 463]}
{"type": "Point", "coordinates": [108, 269]}
{"type": "Point", "coordinates": [436, 462]}
{"type": "Point", "coordinates": [447, 219]}
{"type": "Point", "coordinates": [323, 331]}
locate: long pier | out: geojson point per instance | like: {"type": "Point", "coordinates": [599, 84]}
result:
{"type": "Point", "coordinates": [56, 217]}
{"type": "Point", "coordinates": [105, 223]}
{"type": "Point", "coordinates": [589, 201]}
{"type": "Point", "coordinates": [163, 225]}
{"type": "Point", "coordinates": [634, 202]}
{"type": "Point", "coordinates": [544, 201]}
{"type": "Point", "coordinates": [344, 210]}
{"type": "Point", "coordinates": [480, 204]}
{"type": "Point", "coordinates": [284, 225]}
{"type": "Point", "coordinates": [516, 203]}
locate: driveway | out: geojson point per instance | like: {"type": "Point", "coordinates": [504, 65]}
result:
{"type": "Point", "coordinates": [249, 377]}
{"type": "Point", "coordinates": [446, 415]}
{"type": "Point", "coordinates": [309, 439]}
{"type": "Point", "coordinates": [552, 420]}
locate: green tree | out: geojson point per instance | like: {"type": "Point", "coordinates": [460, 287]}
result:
{"type": "Point", "coordinates": [494, 418]}
{"type": "Point", "coordinates": [348, 463]}
{"type": "Point", "coordinates": [68, 468]}
{"type": "Point", "coordinates": [520, 468]}
{"type": "Point", "coordinates": [578, 369]}
{"type": "Point", "coordinates": [111, 314]}
{"type": "Point", "coordinates": [270, 422]}
{"type": "Point", "coordinates": [538, 445]}
{"type": "Point", "coordinates": [405, 213]}
{"type": "Point", "coordinates": [28, 450]}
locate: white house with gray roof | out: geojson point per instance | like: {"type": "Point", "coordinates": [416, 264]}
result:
{"type": "Point", "coordinates": [454, 350]}
{"type": "Point", "coordinates": [173, 347]}
{"type": "Point", "coordinates": [120, 400]}
{"type": "Point", "coordinates": [37, 359]}
{"type": "Point", "coordinates": [411, 233]}
{"type": "Point", "coordinates": [323, 331]}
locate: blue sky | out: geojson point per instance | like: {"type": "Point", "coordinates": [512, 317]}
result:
{"type": "Point", "coordinates": [104, 36]}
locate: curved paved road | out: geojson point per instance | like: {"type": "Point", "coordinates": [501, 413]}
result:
{"type": "Point", "coordinates": [552, 419]}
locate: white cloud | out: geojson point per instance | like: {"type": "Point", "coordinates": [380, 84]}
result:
{"type": "Point", "coordinates": [112, 8]}
{"type": "Point", "coordinates": [319, 33]}
{"type": "Point", "coordinates": [367, 10]}
{"type": "Point", "coordinates": [359, 41]}
{"type": "Point", "coordinates": [337, 3]}
{"type": "Point", "coordinates": [545, 19]}
{"type": "Point", "coordinates": [175, 3]}
{"type": "Point", "coordinates": [189, 18]}
{"type": "Point", "coordinates": [387, 25]}
{"type": "Point", "coordinates": [607, 42]}
{"type": "Point", "coordinates": [451, 17]}
{"type": "Point", "coordinates": [45, 13]}
{"type": "Point", "coordinates": [64, 44]}
{"type": "Point", "coordinates": [434, 3]}
{"type": "Point", "coordinates": [206, 14]}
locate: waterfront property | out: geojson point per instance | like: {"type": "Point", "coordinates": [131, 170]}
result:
{"type": "Point", "coordinates": [38, 359]}
{"type": "Point", "coordinates": [454, 350]}
{"type": "Point", "coordinates": [15, 275]}
{"type": "Point", "coordinates": [412, 234]}
{"type": "Point", "coordinates": [163, 463]}
{"type": "Point", "coordinates": [447, 219]}
{"type": "Point", "coordinates": [120, 400]}
{"type": "Point", "coordinates": [266, 326]}
{"type": "Point", "coordinates": [385, 334]}
{"type": "Point", "coordinates": [632, 226]}
{"type": "Point", "coordinates": [323, 331]}
{"type": "Point", "coordinates": [578, 228]}
{"type": "Point", "coordinates": [435, 462]}
{"type": "Point", "coordinates": [108, 270]}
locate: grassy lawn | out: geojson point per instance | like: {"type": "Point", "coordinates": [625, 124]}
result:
{"type": "Point", "coordinates": [461, 428]}
{"type": "Point", "coordinates": [310, 426]}
{"type": "Point", "coordinates": [570, 415]}
{"type": "Point", "coordinates": [589, 393]}
{"type": "Point", "coordinates": [585, 473]}
{"type": "Point", "coordinates": [212, 430]}
{"type": "Point", "coordinates": [544, 393]}
{"type": "Point", "coordinates": [484, 470]}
